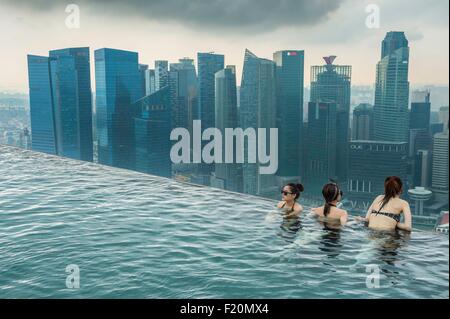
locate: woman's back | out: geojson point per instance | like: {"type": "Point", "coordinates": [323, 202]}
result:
{"type": "Point", "coordinates": [335, 214]}
{"type": "Point", "coordinates": [394, 205]}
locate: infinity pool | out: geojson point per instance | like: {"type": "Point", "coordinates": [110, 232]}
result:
{"type": "Point", "coordinates": [138, 236]}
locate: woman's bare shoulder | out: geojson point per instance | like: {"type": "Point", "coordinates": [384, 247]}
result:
{"type": "Point", "coordinates": [280, 204]}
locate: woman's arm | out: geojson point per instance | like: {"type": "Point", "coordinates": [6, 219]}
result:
{"type": "Point", "coordinates": [407, 223]}
{"type": "Point", "coordinates": [344, 218]}
{"type": "Point", "coordinates": [369, 211]}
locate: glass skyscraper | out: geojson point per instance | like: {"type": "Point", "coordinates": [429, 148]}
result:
{"type": "Point", "coordinates": [61, 103]}
{"type": "Point", "coordinates": [152, 127]}
{"type": "Point", "coordinates": [392, 90]}
{"type": "Point", "coordinates": [257, 110]}
{"type": "Point", "coordinates": [227, 175]}
{"type": "Point", "coordinates": [362, 128]}
{"type": "Point", "coordinates": [289, 91]}
{"type": "Point", "coordinates": [42, 112]}
{"type": "Point", "coordinates": [161, 74]}
{"type": "Point", "coordinates": [331, 83]}
{"type": "Point", "coordinates": [321, 145]}
{"type": "Point", "coordinates": [208, 65]}
{"type": "Point", "coordinates": [118, 86]}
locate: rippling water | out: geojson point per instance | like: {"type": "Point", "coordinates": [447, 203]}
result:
{"type": "Point", "coordinates": [139, 236]}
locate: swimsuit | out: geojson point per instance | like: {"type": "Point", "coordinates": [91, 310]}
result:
{"type": "Point", "coordinates": [395, 217]}
{"type": "Point", "coordinates": [292, 208]}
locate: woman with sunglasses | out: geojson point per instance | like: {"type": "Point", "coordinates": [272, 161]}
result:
{"type": "Point", "coordinates": [289, 195]}
{"type": "Point", "coordinates": [329, 211]}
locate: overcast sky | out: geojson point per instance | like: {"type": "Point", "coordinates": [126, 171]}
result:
{"type": "Point", "coordinates": [171, 29]}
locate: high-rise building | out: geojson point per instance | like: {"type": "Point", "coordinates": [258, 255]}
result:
{"type": "Point", "coordinates": [42, 112]}
{"type": "Point", "coordinates": [392, 90]}
{"type": "Point", "coordinates": [321, 164]}
{"type": "Point", "coordinates": [440, 166]}
{"type": "Point", "coordinates": [208, 65]}
{"type": "Point", "coordinates": [362, 128]}
{"type": "Point", "coordinates": [443, 117]}
{"type": "Point", "coordinates": [152, 127]}
{"type": "Point", "coordinates": [422, 168]}
{"type": "Point", "coordinates": [183, 83]}
{"type": "Point", "coordinates": [257, 110]}
{"type": "Point", "coordinates": [331, 83]}
{"type": "Point", "coordinates": [370, 163]}
{"type": "Point", "coordinates": [143, 68]}
{"type": "Point", "coordinates": [227, 175]}
{"type": "Point", "coordinates": [161, 74]}
{"type": "Point", "coordinates": [118, 86]}
{"type": "Point", "coordinates": [289, 92]}
{"type": "Point", "coordinates": [61, 103]}
{"type": "Point", "coordinates": [150, 82]}
{"type": "Point", "coordinates": [420, 111]}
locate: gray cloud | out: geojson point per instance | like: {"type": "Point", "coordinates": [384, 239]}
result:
{"type": "Point", "coordinates": [234, 15]}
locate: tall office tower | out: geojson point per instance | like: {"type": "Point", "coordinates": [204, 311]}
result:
{"type": "Point", "coordinates": [143, 68]}
{"type": "Point", "coordinates": [422, 168]}
{"type": "Point", "coordinates": [152, 127]}
{"type": "Point", "coordinates": [439, 179]}
{"type": "Point", "coordinates": [257, 110]}
{"type": "Point", "coordinates": [61, 103]}
{"type": "Point", "coordinates": [118, 86]}
{"type": "Point", "coordinates": [150, 82]}
{"type": "Point", "coordinates": [362, 128]}
{"type": "Point", "coordinates": [289, 92]}
{"type": "Point", "coordinates": [208, 65]}
{"type": "Point", "coordinates": [392, 90]}
{"type": "Point", "coordinates": [183, 83]}
{"type": "Point", "coordinates": [321, 164]}
{"type": "Point", "coordinates": [370, 163]}
{"type": "Point", "coordinates": [331, 83]}
{"type": "Point", "coordinates": [161, 74]}
{"type": "Point", "coordinates": [420, 110]}
{"type": "Point", "coordinates": [227, 175]}
{"type": "Point", "coordinates": [443, 117]}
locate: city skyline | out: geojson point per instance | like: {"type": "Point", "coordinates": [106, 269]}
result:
{"type": "Point", "coordinates": [156, 39]}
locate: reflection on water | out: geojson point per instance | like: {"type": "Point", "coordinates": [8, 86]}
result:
{"type": "Point", "coordinates": [139, 236]}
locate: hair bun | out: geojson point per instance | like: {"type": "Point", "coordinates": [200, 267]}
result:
{"type": "Point", "coordinates": [300, 187]}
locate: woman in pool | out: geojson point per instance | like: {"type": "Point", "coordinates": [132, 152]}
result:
{"type": "Point", "coordinates": [385, 211]}
{"type": "Point", "coordinates": [289, 195]}
{"type": "Point", "coordinates": [329, 212]}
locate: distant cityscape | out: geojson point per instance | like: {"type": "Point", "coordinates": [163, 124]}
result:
{"type": "Point", "coordinates": [328, 129]}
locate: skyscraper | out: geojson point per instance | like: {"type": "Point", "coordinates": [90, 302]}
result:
{"type": "Point", "coordinates": [420, 111]}
{"type": "Point", "coordinates": [289, 92]}
{"type": "Point", "coordinates": [370, 163]}
{"type": "Point", "coordinates": [331, 83]}
{"type": "Point", "coordinates": [143, 68]}
{"type": "Point", "coordinates": [227, 175]}
{"type": "Point", "coordinates": [61, 101]}
{"type": "Point", "coordinates": [208, 65]}
{"type": "Point", "coordinates": [362, 128]}
{"type": "Point", "coordinates": [183, 82]}
{"type": "Point", "coordinates": [257, 110]}
{"type": "Point", "coordinates": [118, 86]}
{"type": "Point", "coordinates": [321, 145]}
{"type": "Point", "coordinates": [161, 74]}
{"type": "Point", "coordinates": [392, 90]}
{"type": "Point", "coordinates": [150, 82]}
{"type": "Point", "coordinates": [42, 112]}
{"type": "Point", "coordinates": [152, 127]}
{"type": "Point", "coordinates": [440, 166]}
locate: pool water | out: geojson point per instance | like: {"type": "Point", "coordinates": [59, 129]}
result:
{"type": "Point", "coordinates": [133, 235]}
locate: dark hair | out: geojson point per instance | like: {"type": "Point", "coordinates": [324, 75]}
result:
{"type": "Point", "coordinates": [393, 186]}
{"type": "Point", "coordinates": [296, 189]}
{"type": "Point", "coordinates": [330, 192]}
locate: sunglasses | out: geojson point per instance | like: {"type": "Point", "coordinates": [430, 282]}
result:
{"type": "Point", "coordinates": [286, 193]}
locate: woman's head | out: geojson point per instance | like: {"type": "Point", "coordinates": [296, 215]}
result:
{"type": "Point", "coordinates": [331, 193]}
{"type": "Point", "coordinates": [291, 191]}
{"type": "Point", "coordinates": [393, 186]}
